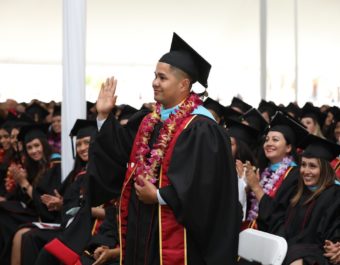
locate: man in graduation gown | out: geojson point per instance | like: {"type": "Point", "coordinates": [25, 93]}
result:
{"type": "Point", "coordinates": [179, 199]}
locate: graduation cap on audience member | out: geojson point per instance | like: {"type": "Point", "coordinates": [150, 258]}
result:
{"type": "Point", "coordinates": [214, 105]}
{"type": "Point", "coordinates": [242, 132]}
{"type": "Point", "coordinates": [56, 110]}
{"type": "Point", "coordinates": [82, 128]}
{"type": "Point", "coordinates": [254, 119]}
{"type": "Point", "coordinates": [293, 110]}
{"type": "Point", "coordinates": [334, 110]}
{"type": "Point", "coordinates": [184, 57]}
{"type": "Point", "coordinates": [292, 129]}
{"type": "Point", "coordinates": [267, 106]}
{"type": "Point", "coordinates": [317, 147]}
{"type": "Point", "coordinates": [310, 111]}
{"type": "Point", "coordinates": [126, 112]}
{"type": "Point", "coordinates": [239, 105]}
{"type": "Point", "coordinates": [30, 132]}
{"type": "Point", "coordinates": [36, 112]}
{"type": "Point", "coordinates": [14, 121]}
{"type": "Point", "coordinates": [230, 113]}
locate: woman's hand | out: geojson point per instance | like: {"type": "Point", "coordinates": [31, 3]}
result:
{"type": "Point", "coordinates": [19, 174]}
{"type": "Point", "coordinates": [253, 180]}
{"type": "Point", "coordinates": [239, 168]}
{"type": "Point", "coordinates": [107, 98]}
{"type": "Point", "coordinates": [53, 203]}
{"type": "Point", "coordinates": [103, 254]}
{"type": "Point", "coordinates": [332, 251]}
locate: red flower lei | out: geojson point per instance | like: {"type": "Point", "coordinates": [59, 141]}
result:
{"type": "Point", "coordinates": [148, 167]}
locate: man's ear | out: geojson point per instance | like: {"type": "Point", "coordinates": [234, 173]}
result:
{"type": "Point", "coordinates": [185, 84]}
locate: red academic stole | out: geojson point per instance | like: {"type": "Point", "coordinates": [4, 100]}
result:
{"type": "Point", "coordinates": [336, 166]}
{"type": "Point", "coordinates": [172, 235]}
{"type": "Point", "coordinates": [271, 194]}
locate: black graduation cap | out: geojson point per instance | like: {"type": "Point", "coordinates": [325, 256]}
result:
{"type": "Point", "coordinates": [33, 131]}
{"type": "Point", "coordinates": [230, 113]}
{"type": "Point", "coordinates": [184, 57]}
{"type": "Point", "coordinates": [14, 121]}
{"type": "Point", "coordinates": [267, 106]}
{"type": "Point", "coordinates": [292, 129]}
{"type": "Point", "coordinates": [82, 128]}
{"type": "Point", "coordinates": [36, 112]}
{"type": "Point", "coordinates": [316, 147]}
{"type": "Point", "coordinates": [214, 105]}
{"type": "Point", "coordinates": [126, 112]}
{"type": "Point", "coordinates": [240, 104]}
{"type": "Point", "coordinates": [310, 111]}
{"type": "Point", "coordinates": [56, 110]}
{"type": "Point", "coordinates": [334, 110]}
{"type": "Point", "coordinates": [242, 132]}
{"type": "Point", "coordinates": [89, 105]}
{"type": "Point", "coordinates": [294, 109]}
{"type": "Point", "coordinates": [255, 119]}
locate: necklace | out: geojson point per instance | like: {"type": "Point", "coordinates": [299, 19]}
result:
{"type": "Point", "coordinates": [268, 183]}
{"type": "Point", "coordinates": [148, 161]}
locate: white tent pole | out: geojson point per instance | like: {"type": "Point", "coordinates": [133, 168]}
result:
{"type": "Point", "coordinates": [296, 43]}
{"type": "Point", "coordinates": [263, 48]}
{"type": "Point", "coordinates": [74, 100]}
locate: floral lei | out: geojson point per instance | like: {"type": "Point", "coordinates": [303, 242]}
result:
{"type": "Point", "coordinates": [148, 167]}
{"type": "Point", "coordinates": [267, 182]}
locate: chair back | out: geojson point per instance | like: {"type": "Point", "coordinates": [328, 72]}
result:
{"type": "Point", "coordinates": [268, 249]}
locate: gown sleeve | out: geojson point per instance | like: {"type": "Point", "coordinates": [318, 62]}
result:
{"type": "Point", "coordinates": [108, 157]}
{"type": "Point", "coordinates": [204, 192]}
{"type": "Point", "coordinates": [49, 182]}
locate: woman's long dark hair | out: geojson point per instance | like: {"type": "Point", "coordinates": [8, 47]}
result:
{"type": "Point", "coordinates": [36, 169]}
{"type": "Point", "coordinates": [327, 178]}
{"type": "Point", "coordinates": [244, 153]}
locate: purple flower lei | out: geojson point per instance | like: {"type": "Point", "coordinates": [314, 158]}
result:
{"type": "Point", "coordinates": [267, 182]}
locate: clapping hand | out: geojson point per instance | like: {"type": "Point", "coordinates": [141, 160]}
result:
{"type": "Point", "coordinates": [53, 203]}
{"type": "Point", "coordinates": [332, 251]}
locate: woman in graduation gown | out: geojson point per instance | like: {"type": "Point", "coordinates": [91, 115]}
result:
{"type": "Point", "coordinates": [275, 184]}
{"type": "Point", "coordinates": [7, 155]}
{"type": "Point", "coordinates": [40, 174]}
{"type": "Point", "coordinates": [313, 215]}
{"type": "Point", "coordinates": [199, 197]}
{"type": "Point", "coordinates": [68, 199]}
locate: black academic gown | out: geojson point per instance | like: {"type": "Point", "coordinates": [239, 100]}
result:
{"type": "Point", "coordinates": [272, 210]}
{"type": "Point", "coordinates": [106, 236]}
{"type": "Point", "coordinates": [20, 209]}
{"type": "Point", "coordinates": [308, 226]}
{"type": "Point", "coordinates": [203, 193]}
{"type": "Point", "coordinates": [34, 240]}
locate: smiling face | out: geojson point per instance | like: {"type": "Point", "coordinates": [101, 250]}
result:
{"type": "Point", "coordinates": [5, 140]}
{"type": "Point", "coordinates": [310, 171]}
{"type": "Point", "coordinates": [170, 85]}
{"type": "Point", "coordinates": [275, 147]}
{"type": "Point", "coordinates": [82, 148]}
{"type": "Point", "coordinates": [35, 149]}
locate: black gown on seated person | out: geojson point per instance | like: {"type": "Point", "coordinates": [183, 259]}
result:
{"type": "Point", "coordinates": [20, 209]}
{"type": "Point", "coordinates": [308, 226]}
{"type": "Point", "coordinates": [203, 193]}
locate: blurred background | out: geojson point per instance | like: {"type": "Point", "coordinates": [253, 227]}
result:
{"type": "Point", "coordinates": [126, 39]}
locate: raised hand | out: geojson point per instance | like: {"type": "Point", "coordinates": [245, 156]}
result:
{"type": "Point", "coordinates": [107, 98]}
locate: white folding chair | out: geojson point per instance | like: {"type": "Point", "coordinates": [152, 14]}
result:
{"type": "Point", "coordinates": [268, 249]}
